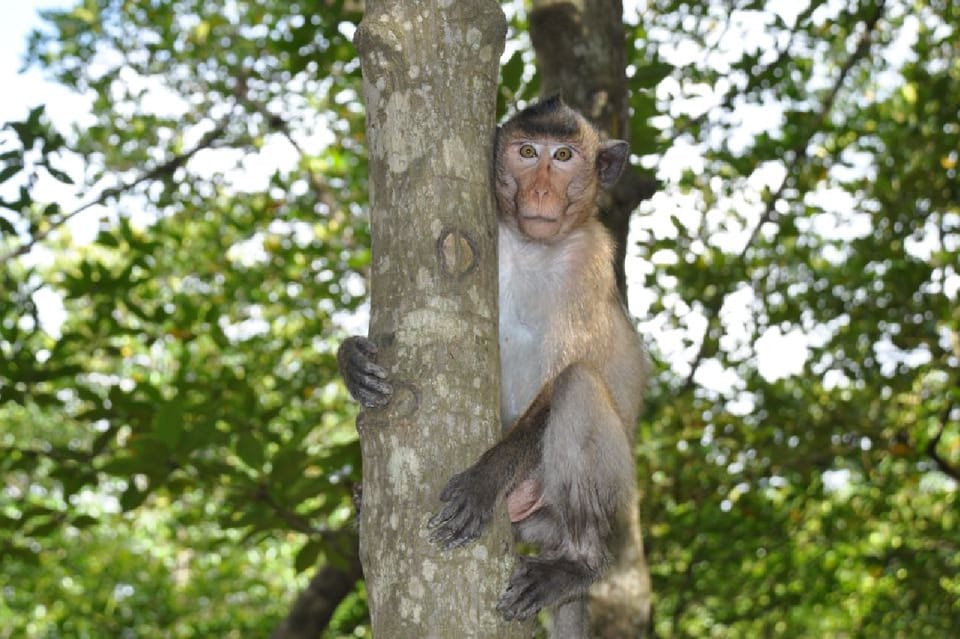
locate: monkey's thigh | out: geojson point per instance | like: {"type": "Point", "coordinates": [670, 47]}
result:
{"type": "Point", "coordinates": [587, 462]}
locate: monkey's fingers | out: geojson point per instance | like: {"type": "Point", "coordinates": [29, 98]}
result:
{"type": "Point", "coordinates": [445, 515]}
{"type": "Point", "coordinates": [370, 399]}
{"type": "Point", "coordinates": [366, 345]}
{"type": "Point", "coordinates": [520, 601]}
{"type": "Point", "coordinates": [365, 380]}
{"type": "Point", "coordinates": [357, 365]}
{"type": "Point", "coordinates": [454, 526]}
{"type": "Point", "coordinates": [450, 542]}
{"type": "Point", "coordinates": [371, 392]}
{"type": "Point", "coordinates": [367, 369]}
{"type": "Point", "coordinates": [445, 525]}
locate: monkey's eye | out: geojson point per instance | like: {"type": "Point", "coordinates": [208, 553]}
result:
{"type": "Point", "coordinates": [563, 154]}
{"type": "Point", "coordinates": [527, 151]}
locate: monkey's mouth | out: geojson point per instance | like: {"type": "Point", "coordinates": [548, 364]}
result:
{"type": "Point", "coordinates": [540, 227]}
{"type": "Point", "coordinates": [539, 218]}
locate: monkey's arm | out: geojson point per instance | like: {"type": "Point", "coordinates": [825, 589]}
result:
{"type": "Point", "coordinates": [365, 380]}
{"type": "Point", "coordinates": [472, 495]}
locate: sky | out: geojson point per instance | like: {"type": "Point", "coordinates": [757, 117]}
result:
{"type": "Point", "coordinates": [23, 91]}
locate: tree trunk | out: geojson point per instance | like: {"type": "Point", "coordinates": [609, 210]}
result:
{"type": "Point", "coordinates": [429, 82]}
{"type": "Point", "coordinates": [581, 54]}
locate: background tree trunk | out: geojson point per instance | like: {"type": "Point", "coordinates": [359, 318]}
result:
{"type": "Point", "coordinates": [581, 54]}
{"type": "Point", "coordinates": [580, 46]}
{"type": "Point", "coordinates": [329, 586]}
{"type": "Point", "coordinates": [429, 81]}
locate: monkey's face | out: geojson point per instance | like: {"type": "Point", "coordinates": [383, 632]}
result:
{"type": "Point", "coordinates": [554, 181]}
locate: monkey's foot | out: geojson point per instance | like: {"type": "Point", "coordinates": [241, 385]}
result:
{"type": "Point", "coordinates": [539, 583]}
{"type": "Point", "coordinates": [466, 513]}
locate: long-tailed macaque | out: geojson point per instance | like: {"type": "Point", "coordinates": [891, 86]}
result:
{"type": "Point", "coordinates": [572, 371]}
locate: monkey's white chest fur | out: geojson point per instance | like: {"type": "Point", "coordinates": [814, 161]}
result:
{"type": "Point", "coordinates": [533, 278]}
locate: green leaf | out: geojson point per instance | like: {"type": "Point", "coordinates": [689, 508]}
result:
{"type": "Point", "coordinates": [287, 464]}
{"type": "Point", "coordinates": [33, 119]}
{"type": "Point", "coordinates": [307, 556]}
{"type": "Point", "coordinates": [10, 171]}
{"type": "Point", "coordinates": [512, 72]}
{"type": "Point", "coordinates": [168, 424]}
{"type": "Point", "coordinates": [649, 75]}
{"type": "Point", "coordinates": [6, 227]}
{"type": "Point", "coordinates": [359, 259]}
{"type": "Point", "coordinates": [51, 209]}
{"type": "Point", "coordinates": [250, 450]}
{"type": "Point", "coordinates": [107, 239]}
{"type": "Point", "coordinates": [133, 497]}
{"type": "Point", "coordinates": [44, 529]}
{"type": "Point", "coordinates": [59, 175]}
{"type": "Point", "coordinates": [22, 555]}
{"type": "Point", "coordinates": [123, 466]}
{"type": "Point", "coordinates": [84, 521]}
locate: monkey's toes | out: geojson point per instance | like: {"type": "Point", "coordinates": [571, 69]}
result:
{"type": "Point", "coordinates": [522, 599]}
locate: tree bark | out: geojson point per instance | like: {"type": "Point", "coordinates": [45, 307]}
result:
{"type": "Point", "coordinates": [429, 83]}
{"type": "Point", "coordinates": [581, 54]}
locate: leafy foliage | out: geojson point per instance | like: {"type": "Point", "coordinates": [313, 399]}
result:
{"type": "Point", "coordinates": [177, 447]}
{"type": "Point", "coordinates": [818, 501]}
{"type": "Point", "coordinates": [194, 372]}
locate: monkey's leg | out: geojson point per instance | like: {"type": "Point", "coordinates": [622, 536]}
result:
{"type": "Point", "coordinates": [587, 478]}
{"type": "Point", "coordinates": [569, 620]}
{"type": "Point", "coordinates": [472, 495]}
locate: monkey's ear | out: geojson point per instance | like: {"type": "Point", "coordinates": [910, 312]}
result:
{"type": "Point", "coordinates": [611, 158]}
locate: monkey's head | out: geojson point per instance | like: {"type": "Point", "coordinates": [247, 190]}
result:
{"type": "Point", "coordinates": [550, 165]}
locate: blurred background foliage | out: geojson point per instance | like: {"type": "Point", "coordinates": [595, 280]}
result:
{"type": "Point", "coordinates": [178, 453]}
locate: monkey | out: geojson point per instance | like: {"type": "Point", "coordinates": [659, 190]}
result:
{"type": "Point", "coordinates": [572, 367]}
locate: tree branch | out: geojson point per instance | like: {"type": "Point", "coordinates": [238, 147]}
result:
{"type": "Point", "coordinates": [163, 170]}
{"type": "Point", "coordinates": [292, 519]}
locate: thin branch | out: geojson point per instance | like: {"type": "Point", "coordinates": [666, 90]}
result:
{"type": "Point", "coordinates": [799, 155]}
{"type": "Point", "coordinates": [293, 519]}
{"type": "Point", "coordinates": [160, 171]}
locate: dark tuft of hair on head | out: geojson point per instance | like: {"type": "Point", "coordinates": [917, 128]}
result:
{"type": "Point", "coordinates": [548, 117]}
{"type": "Point", "coordinates": [543, 107]}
